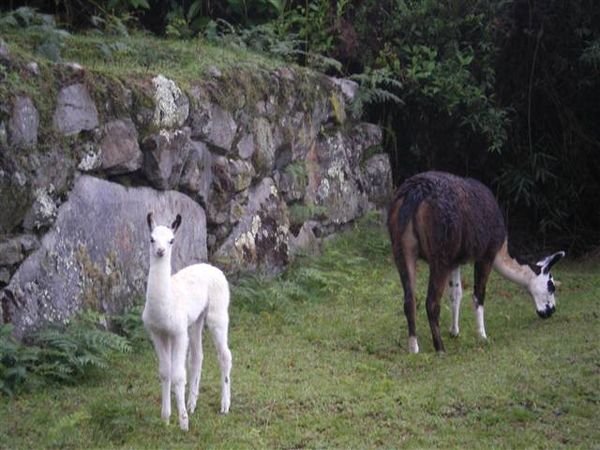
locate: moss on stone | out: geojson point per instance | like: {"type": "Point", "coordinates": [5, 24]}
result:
{"type": "Point", "coordinates": [338, 108]}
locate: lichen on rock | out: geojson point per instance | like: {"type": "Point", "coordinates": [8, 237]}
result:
{"type": "Point", "coordinates": [43, 211]}
{"type": "Point", "coordinates": [171, 104]}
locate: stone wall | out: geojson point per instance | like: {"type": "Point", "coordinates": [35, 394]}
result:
{"type": "Point", "coordinates": [261, 171]}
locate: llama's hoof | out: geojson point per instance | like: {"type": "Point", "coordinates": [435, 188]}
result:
{"type": "Point", "coordinates": [413, 345]}
{"type": "Point", "coordinates": [191, 406]}
{"type": "Point", "coordinates": [454, 332]}
{"type": "Point", "coordinates": [224, 409]}
{"type": "Point", "coordinates": [184, 423]}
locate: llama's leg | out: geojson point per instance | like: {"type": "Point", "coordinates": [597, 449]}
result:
{"type": "Point", "coordinates": [437, 283]}
{"type": "Point", "coordinates": [195, 357]}
{"type": "Point", "coordinates": [405, 257]}
{"type": "Point", "coordinates": [218, 329]}
{"type": "Point", "coordinates": [482, 273]}
{"type": "Point", "coordinates": [162, 346]}
{"type": "Point", "coordinates": [455, 298]}
{"type": "Point", "coordinates": [410, 310]}
{"type": "Point", "coordinates": [179, 351]}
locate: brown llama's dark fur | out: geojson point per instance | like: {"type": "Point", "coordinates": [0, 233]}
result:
{"type": "Point", "coordinates": [448, 221]}
{"type": "Point", "coordinates": [465, 222]}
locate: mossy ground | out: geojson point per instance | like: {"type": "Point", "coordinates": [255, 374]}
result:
{"type": "Point", "coordinates": [320, 362]}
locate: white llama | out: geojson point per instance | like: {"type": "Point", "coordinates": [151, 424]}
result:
{"type": "Point", "coordinates": [176, 309]}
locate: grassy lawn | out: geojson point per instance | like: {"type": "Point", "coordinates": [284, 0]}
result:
{"type": "Point", "coordinates": [320, 361]}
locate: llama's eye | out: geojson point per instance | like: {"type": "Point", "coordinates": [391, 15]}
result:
{"type": "Point", "coordinates": [152, 240]}
{"type": "Point", "coordinates": [171, 241]}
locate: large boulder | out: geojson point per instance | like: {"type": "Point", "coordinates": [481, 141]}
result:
{"type": "Point", "coordinates": [100, 262]}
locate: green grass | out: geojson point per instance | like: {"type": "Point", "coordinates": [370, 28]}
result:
{"type": "Point", "coordinates": [138, 54]}
{"type": "Point", "coordinates": [320, 361]}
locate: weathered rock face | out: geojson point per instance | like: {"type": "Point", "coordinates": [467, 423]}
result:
{"type": "Point", "coordinates": [275, 168]}
{"type": "Point", "coordinates": [120, 149]}
{"type": "Point", "coordinates": [165, 155]}
{"type": "Point", "coordinates": [75, 110]}
{"type": "Point", "coordinates": [23, 124]}
{"type": "Point", "coordinates": [260, 237]}
{"type": "Point", "coordinates": [171, 105]}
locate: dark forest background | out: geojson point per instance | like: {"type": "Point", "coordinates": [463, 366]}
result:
{"type": "Point", "coordinates": [504, 91]}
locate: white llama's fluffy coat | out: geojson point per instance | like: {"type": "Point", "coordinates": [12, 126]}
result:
{"type": "Point", "coordinates": [177, 309]}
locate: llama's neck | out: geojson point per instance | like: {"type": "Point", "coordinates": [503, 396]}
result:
{"type": "Point", "coordinates": [159, 281]}
{"type": "Point", "coordinates": [510, 269]}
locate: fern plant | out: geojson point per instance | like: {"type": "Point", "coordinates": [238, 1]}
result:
{"type": "Point", "coordinates": [130, 325]}
{"type": "Point", "coordinates": [57, 354]}
{"type": "Point", "coordinates": [16, 361]}
{"type": "Point", "coordinates": [66, 355]}
{"type": "Point", "coordinates": [375, 87]}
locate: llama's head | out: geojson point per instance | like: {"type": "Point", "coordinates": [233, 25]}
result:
{"type": "Point", "coordinates": [542, 287]}
{"type": "Point", "coordinates": [162, 237]}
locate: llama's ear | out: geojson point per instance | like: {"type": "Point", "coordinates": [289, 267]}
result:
{"type": "Point", "coordinates": [150, 221]}
{"type": "Point", "coordinates": [549, 261]}
{"type": "Point", "coordinates": [176, 223]}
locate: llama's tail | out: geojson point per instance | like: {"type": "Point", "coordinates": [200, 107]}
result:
{"type": "Point", "coordinates": [406, 202]}
{"type": "Point", "coordinates": [218, 302]}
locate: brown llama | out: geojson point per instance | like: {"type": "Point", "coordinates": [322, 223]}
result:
{"type": "Point", "coordinates": [448, 221]}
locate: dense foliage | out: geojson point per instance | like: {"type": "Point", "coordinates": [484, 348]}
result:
{"type": "Point", "coordinates": [502, 91]}
{"type": "Point", "coordinates": [505, 91]}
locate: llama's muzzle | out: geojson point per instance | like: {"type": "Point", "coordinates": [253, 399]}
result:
{"type": "Point", "coordinates": [160, 252]}
{"type": "Point", "coordinates": [547, 312]}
